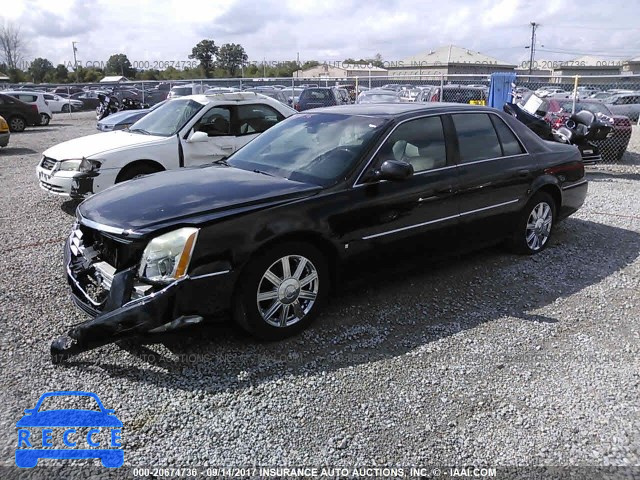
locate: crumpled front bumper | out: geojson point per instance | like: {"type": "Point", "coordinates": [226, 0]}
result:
{"type": "Point", "coordinates": [120, 317]}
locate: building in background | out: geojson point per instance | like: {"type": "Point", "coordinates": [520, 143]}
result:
{"type": "Point", "coordinates": [448, 60]}
{"type": "Point", "coordinates": [114, 79]}
{"type": "Point", "coordinates": [340, 70]}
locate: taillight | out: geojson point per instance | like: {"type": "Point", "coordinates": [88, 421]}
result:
{"type": "Point", "coordinates": [434, 98]}
{"type": "Point", "coordinates": [34, 107]}
{"type": "Point", "coordinates": [296, 106]}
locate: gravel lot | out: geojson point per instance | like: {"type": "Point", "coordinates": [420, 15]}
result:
{"type": "Point", "coordinates": [487, 358]}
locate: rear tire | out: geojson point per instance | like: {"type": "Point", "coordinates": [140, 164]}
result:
{"type": "Point", "coordinates": [274, 301]}
{"type": "Point", "coordinates": [534, 226]}
{"type": "Point", "coordinates": [136, 171]}
{"type": "Point", "coordinates": [17, 124]}
{"type": "Point", "coordinates": [65, 108]}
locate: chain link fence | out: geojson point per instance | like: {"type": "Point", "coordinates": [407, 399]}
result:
{"type": "Point", "coordinates": [614, 96]}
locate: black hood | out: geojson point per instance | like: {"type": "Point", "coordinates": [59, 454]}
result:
{"type": "Point", "coordinates": [176, 196]}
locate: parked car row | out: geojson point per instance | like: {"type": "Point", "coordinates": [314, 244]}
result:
{"type": "Point", "coordinates": [18, 114]}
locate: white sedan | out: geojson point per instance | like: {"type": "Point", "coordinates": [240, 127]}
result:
{"type": "Point", "coordinates": [184, 132]}
{"type": "Point", "coordinates": [59, 104]}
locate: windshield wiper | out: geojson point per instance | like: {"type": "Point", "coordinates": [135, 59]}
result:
{"type": "Point", "coordinates": [139, 130]}
{"type": "Point", "coordinates": [263, 173]}
{"type": "Point", "coordinates": [222, 161]}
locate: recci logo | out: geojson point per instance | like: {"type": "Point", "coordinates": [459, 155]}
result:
{"type": "Point", "coordinates": [69, 433]}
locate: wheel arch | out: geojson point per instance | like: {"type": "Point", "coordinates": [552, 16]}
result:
{"type": "Point", "coordinates": [325, 246]}
{"type": "Point", "coordinates": [551, 186]}
{"type": "Point", "coordinates": [136, 163]}
{"type": "Point", "coordinates": [555, 193]}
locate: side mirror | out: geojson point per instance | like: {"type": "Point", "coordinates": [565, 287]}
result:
{"type": "Point", "coordinates": [392, 170]}
{"type": "Point", "coordinates": [198, 137]}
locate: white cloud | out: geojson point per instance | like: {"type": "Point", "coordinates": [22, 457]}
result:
{"type": "Point", "coordinates": [161, 30]}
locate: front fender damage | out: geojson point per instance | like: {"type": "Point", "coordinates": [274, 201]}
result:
{"type": "Point", "coordinates": [135, 318]}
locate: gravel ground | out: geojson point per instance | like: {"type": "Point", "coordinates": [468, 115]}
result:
{"type": "Point", "coordinates": [484, 359]}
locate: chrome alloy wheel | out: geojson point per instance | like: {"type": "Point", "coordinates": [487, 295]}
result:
{"type": "Point", "coordinates": [539, 226]}
{"type": "Point", "coordinates": [287, 291]}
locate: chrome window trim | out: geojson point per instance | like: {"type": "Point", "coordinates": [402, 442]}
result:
{"type": "Point", "coordinates": [437, 220]}
{"type": "Point", "coordinates": [569, 187]}
{"type": "Point", "coordinates": [373, 155]}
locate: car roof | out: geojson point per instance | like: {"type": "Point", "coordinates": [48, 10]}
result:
{"type": "Point", "coordinates": [206, 99]}
{"type": "Point", "coordinates": [396, 109]}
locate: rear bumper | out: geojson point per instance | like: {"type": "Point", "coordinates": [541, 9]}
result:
{"type": "Point", "coordinates": [4, 139]}
{"type": "Point", "coordinates": [120, 316]}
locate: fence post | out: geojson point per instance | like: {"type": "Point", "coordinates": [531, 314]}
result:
{"type": "Point", "coordinates": [356, 91]}
{"type": "Point", "coordinates": [575, 95]}
{"type": "Point", "coordinates": [69, 101]}
{"type": "Point", "coordinates": [441, 86]}
{"type": "Point", "coordinates": [143, 91]}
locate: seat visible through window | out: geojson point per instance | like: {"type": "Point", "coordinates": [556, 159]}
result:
{"type": "Point", "coordinates": [418, 142]}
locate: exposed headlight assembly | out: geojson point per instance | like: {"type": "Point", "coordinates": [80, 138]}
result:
{"type": "Point", "coordinates": [87, 166]}
{"type": "Point", "coordinates": [166, 258]}
{"type": "Point", "coordinates": [69, 165]}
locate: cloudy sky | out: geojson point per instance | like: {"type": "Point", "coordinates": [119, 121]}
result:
{"type": "Point", "coordinates": [325, 30]}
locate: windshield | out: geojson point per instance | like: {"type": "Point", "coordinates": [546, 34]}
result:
{"type": "Point", "coordinates": [378, 98]}
{"type": "Point", "coordinates": [167, 119]}
{"type": "Point", "coordinates": [184, 91]}
{"type": "Point", "coordinates": [318, 148]}
{"type": "Point", "coordinates": [591, 107]}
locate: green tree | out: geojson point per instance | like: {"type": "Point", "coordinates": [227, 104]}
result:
{"type": "Point", "coordinates": [61, 74]}
{"type": "Point", "coordinates": [119, 64]}
{"type": "Point", "coordinates": [205, 52]}
{"type": "Point", "coordinates": [231, 56]}
{"type": "Point", "coordinates": [39, 68]}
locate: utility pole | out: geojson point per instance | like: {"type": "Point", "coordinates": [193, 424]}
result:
{"type": "Point", "coordinates": [534, 25]}
{"type": "Point", "coordinates": [75, 61]}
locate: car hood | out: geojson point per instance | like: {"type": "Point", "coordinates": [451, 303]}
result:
{"type": "Point", "coordinates": [187, 195]}
{"type": "Point", "coordinates": [93, 145]}
{"type": "Point", "coordinates": [69, 418]}
{"type": "Point", "coordinates": [127, 116]}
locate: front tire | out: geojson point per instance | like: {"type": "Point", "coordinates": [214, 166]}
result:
{"type": "Point", "coordinates": [44, 119]}
{"type": "Point", "coordinates": [534, 225]}
{"type": "Point", "coordinates": [66, 108]}
{"type": "Point", "coordinates": [281, 291]}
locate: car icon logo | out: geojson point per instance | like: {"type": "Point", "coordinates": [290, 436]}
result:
{"type": "Point", "coordinates": [65, 428]}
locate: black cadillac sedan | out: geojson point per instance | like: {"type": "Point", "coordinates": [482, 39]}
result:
{"type": "Point", "coordinates": [263, 233]}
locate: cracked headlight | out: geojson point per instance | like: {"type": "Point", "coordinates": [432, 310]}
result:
{"type": "Point", "coordinates": [69, 165]}
{"type": "Point", "coordinates": [166, 258]}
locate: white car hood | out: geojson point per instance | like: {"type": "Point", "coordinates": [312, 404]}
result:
{"type": "Point", "coordinates": [92, 145]}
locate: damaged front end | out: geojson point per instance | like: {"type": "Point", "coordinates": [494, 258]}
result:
{"type": "Point", "coordinates": [128, 286]}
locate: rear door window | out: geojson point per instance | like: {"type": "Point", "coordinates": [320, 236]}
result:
{"type": "Point", "coordinates": [477, 139]}
{"type": "Point", "coordinates": [509, 142]}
